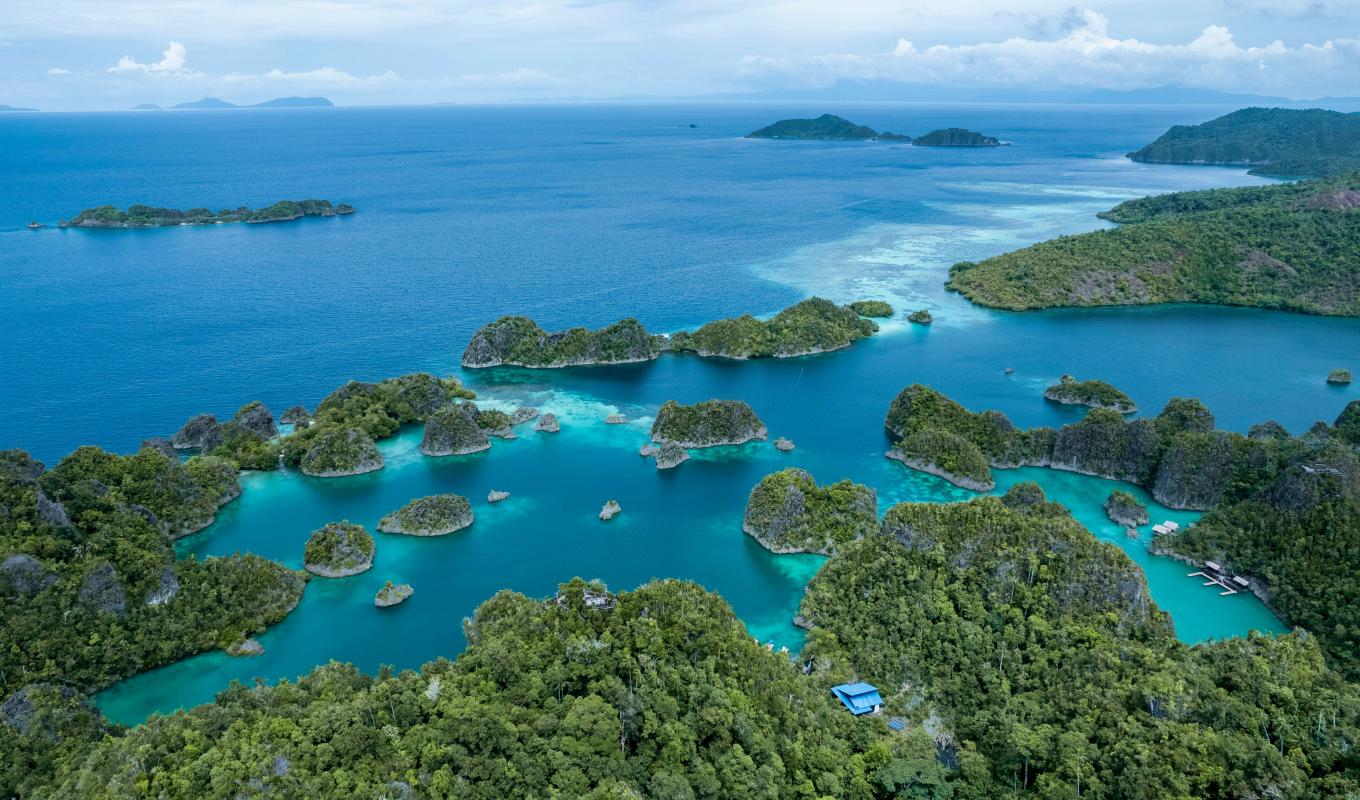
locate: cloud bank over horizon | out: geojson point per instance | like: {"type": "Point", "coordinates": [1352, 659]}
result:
{"type": "Point", "coordinates": [376, 51]}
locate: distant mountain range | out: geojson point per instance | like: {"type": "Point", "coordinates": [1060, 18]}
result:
{"type": "Point", "coordinates": [14, 108]}
{"type": "Point", "coordinates": [213, 102]}
{"type": "Point", "coordinates": [889, 91]}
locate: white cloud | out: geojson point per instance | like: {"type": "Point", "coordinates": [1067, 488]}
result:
{"type": "Point", "coordinates": [58, 71]}
{"type": "Point", "coordinates": [1086, 57]}
{"type": "Point", "coordinates": [174, 60]}
{"type": "Point", "coordinates": [520, 77]}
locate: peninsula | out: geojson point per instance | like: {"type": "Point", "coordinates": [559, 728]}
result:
{"type": "Point", "coordinates": [143, 216]}
{"type": "Point", "coordinates": [1280, 142]}
{"type": "Point", "coordinates": [1290, 246]}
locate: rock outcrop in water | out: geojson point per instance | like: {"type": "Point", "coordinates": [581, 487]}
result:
{"type": "Point", "coordinates": [435, 515]}
{"type": "Point", "coordinates": [338, 452]}
{"type": "Point", "coordinates": [297, 416]}
{"type": "Point", "coordinates": [393, 594]}
{"type": "Point", "coordinates": [144, 216]}
{"type": "Point", "coordinates": [454, 431]}
{"type": "Point", "coordinates": [245, 648]}
{"type": "Point", "coordinates": [707, 424]}
{"type": "Point", "coordinates": [495, 496]}
{"type": "Point", "coordinates": [519, 341]}
{"type": "Point", "coordinates": [787, 512]}
{"type": "Point", "coordinates": [872, 308]}
{"type": "Point", "coordinates": [548, 423]}
{"type": "Point", "coordinates": [338, 550]}
{"type": "Point", "coordinates": [784, 445]}
{"type": "Point", "coordinates": [920, 317]}
{"type": "Point", "coordinates": [201, 432]}
{"type": "Point", "coordinates": [956, 137]}
{"type": "Point", "coordinates": [1124, 509]}
{"type": "Point", "coordinates": [1339, 377]}
{"type": "Point", "coordinates": [671, 455]}
{"type": "Point", "coordinates": [522, 415]}
{"type": "Point", "coordinates": [611, 509]}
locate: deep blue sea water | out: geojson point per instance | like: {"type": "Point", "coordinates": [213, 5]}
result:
{"type": "Point", "coordinates": [582, 215]}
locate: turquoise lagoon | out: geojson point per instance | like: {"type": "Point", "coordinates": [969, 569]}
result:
{"type": "Point", "coordinates": [583, 215]}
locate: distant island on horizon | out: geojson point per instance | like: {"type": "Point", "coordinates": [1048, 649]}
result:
{"type": "Point", "coordinates": [210, 103]}
{"type": "Point", "coordinates": [829, 127]}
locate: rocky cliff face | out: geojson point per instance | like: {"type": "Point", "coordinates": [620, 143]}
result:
{"type": "Point", "coordinates": [454, 431]}
{"type": "Point", "coordinates": [255, 417]}
{"type": "Point", "coordinates": [1104, 444]}
{"type": "Point", "coordinates": [339, 550]}
{"type": "Point", "coordinates": [199, 433]}
{"type": "Point", "coordinates": [103, 591]}
{"type": "Point", "coordinates": [1195, 471]}
{"type": "Point", "coordinates": [25, 575]}
{"type": "Point", "coordinates": [429, 516]}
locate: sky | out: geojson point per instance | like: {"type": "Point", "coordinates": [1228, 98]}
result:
{"type": "Point", "coordinates": [98, 54]}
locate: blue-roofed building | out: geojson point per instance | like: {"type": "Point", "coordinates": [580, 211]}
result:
{"type": "Point", "coordinates": [860, 698]}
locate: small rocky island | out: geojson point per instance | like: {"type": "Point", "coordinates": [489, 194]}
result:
{"type": "Point", "coordinates": [1124, 509]}
{"type": "Point", "coordinates": [454, 431]}
{"type": "Point", "coordinates": [435, 515]}
{"type": "Point", "coordinates": [393, 594]}
{"type": "Point", "coordinates": [144, 216]}
{"type": "Point", "coordinates": [956, 137]}
{"type": "Point", "coordinates": [827, 127]}
{"type": "Point", "coordinates": [1093, 394]}
{"type": "Point", "coordinates": [945, 455]}
{"type": "Point", "coordinates": [339, 550]}
{"type": "Point", "coordinates": [711, 423]}
{"type": "Point", "coordinates": [788, 512]}
{"type": "Point", "coordinates": [520, 342]}
{"type": "Point", "coordinates": [341, 451]}
{"type": "Point", "coordinates": [920, 317]}
{"type": "Point", "coordinates": [610, 510]}
{"type": "Point", "coordinates": [1339, 377]}
{"type": "Point", "coordinates": [670, 455]}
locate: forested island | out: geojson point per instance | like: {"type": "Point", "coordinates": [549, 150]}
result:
{"type": "Point", "coordinates": [144, 216]}
{"type": "Point", "coordinates": [1292, 246]}
{"type": "Point", "coordinates": [811, 326]}
{"type": "Point", "coordinates": [1092, 394]}
{"type": "Point", "coordinates": [829, 127]}
{"type": "Point", "coordinates": [1280, 142]}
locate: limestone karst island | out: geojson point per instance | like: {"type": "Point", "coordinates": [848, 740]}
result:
{"type": "Point", "coordinates": [680, 401]}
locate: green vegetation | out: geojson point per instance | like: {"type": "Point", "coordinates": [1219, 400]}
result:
{"type": "Point", "coordinates": [492, 420]}
{"type": "Point", "coordinates": [518, 341]}
{"type": "Point", "coordinates": [435, 515]}
{"type": "Point", "coordinates": [707, 424]}
{"type": "Point", "coordinates": [920, 317]}
{"type": "Point", "coordinates": [663, 695]}
{"type": "Point", "coordinates": [956, 137]}
{"type": "Point", "coordinates": [143, 216]}
{"type": "Point", "coordinates": [1035, 654]}
{"type": "Point", "coordinates": [336, 452]}
{"type": "Point", "coordinates": [788, 512]}
{"type": "Point", "coordinates": [376, 410]}
{"type": "Point", "coordinates": [391, 595]}
{"type": "Point", "coordinates": [1284, 142]}
{"type": "Point", "coordinates": [1289, 247]}
{"type": "Point", "coordinates": [947, 455]}
{"type": "Point", "coordinates": [811, 326]}
{"type": "Point", "coordinates": [90, 586]}
{"type": "Point", "coordinates": [1096, 394]}
{"type": "Point", "coordinates": [338, 550]}
{"type": "Point", "coordinates": [1339, 376]}
{"type": "Point", "coordinates": [827, 126]}
{"type": "Point", "coordinates": [1124, 509]}
{"type": "Point", "coordinates": [872, 308]}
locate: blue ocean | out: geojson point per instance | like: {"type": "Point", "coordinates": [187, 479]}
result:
{"type": "Point", "coordinates": [581, 215]}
